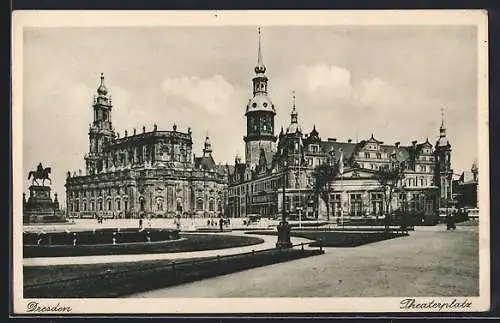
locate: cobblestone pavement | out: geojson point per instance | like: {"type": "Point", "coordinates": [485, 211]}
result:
{"type": "Point", "coordinates": [429, 262]}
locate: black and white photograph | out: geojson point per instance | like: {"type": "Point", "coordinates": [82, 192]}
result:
{"type": "Point", "coordinates": [250, 162]}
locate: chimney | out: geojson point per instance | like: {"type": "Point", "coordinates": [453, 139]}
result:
{"type": "Point", "coordinates": [349, 140]}
{"type": "Point", "coordinates": [397, 144]}
{"type": "Point", "coordinates": [332, 139]}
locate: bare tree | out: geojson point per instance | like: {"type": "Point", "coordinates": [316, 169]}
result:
{"type": "Point", "coordinates": [390, 178]}
{"type": "Point", "coordinates": [323, 175]}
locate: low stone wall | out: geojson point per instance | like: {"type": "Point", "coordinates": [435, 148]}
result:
{"type": "Point", "coordinates": [99, 237]}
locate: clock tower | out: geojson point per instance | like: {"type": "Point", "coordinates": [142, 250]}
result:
{"type": "Point", "coordinates": [260, 114]}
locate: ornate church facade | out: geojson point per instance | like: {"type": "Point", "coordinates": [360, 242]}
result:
{"type": "Point", "coordinates": [256, 186]}
{"type": "Point", "coordinates": [151, 173]}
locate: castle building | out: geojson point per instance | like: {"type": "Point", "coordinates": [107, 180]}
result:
{"type": "Point", "coordinates": [465, 189]}
{"type": "Point", "coordinates": [256, 186]}
{"type": "Point", "coordinates": [151, 173]}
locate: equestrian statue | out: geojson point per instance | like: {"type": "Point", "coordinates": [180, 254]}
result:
{"type": "Point", "coordinates": [40, 173]}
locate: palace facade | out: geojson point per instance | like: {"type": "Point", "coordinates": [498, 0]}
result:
{"type": "Point", "coordinates": [151, 173]}
{"type": "Point", "coordinates": [256, 184]}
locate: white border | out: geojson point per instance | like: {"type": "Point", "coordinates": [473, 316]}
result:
{"type": "Point", "coordinates": [23, 19]}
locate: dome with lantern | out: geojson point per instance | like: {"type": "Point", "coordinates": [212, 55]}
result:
{"type": "Point", "coordinates": [260, 103]}
{"type": "Point", "coordinates": [102, 89]}
{"type": "Point", "coordinates": [294, 126]}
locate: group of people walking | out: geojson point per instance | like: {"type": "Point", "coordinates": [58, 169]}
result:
{"type": "Point", "coordinates": [221, 222]}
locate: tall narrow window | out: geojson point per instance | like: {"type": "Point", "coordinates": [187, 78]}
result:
{"type": "Point", "coordinates": [356, 204]}
{"type": "Point", "coordinates": [336, 205]}
{"type": "Point", "coordinates": [199, 204]}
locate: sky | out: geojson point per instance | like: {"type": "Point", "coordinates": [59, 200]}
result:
{"type": "Point", "coordinates": [349, 81]}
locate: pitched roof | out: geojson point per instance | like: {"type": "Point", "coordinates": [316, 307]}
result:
{"type": "Point", "coordinates": [348, 148]}
{"type": "Point", "coordinates": [205, 162]}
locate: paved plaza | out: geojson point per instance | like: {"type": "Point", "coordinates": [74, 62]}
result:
{"type": "Point", "coordinates": [80, 225]}
{"type": "Point", "coordinates": [429, 262]}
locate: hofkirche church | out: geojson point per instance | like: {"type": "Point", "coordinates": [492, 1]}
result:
{"type": "Point", "coordinates": [153, 172]}
{"type": "Point", "coordinates": [156, 173]}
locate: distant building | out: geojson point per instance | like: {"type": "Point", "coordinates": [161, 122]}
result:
{"type": "Point", "coordinates": [153, 173]}
{"type": "Point", "coordinates": [255, 185]}
{"type": "Point", "coordinates": [465, 190]}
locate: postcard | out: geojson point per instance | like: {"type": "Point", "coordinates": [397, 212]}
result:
{"type": "Point", "coordinates": [250, 162]}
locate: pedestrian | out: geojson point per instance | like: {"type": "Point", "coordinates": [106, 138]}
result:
{"type": "Point", "coordinates": [452, 223]}
{"type": "Point", "coordinates": [140, 223]}
{"type": "Point", "coordinates": [221, 224]}
{"type": "Point", "coordinates": [208, 222]}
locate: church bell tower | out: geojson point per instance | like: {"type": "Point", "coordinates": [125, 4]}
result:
{"type": "Point", "coordinates": [100, 130]}
{"type": "Point", "coordinates": [260, 114]}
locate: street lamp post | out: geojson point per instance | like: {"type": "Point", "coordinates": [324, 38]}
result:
{"type": "Point", "coordinates": [284, 227]}
{"type": "Point", "coordinates": [300, 217]}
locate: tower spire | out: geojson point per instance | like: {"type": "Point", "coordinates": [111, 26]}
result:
{"type": "Point", "coordinates": [207, 149]}
{"type": "Point", "coordinates": [442, 129]}
{"type": "Point", "coordinates": [260, 68]}
{"type": "Point", "coordinates": [259, 55]}
{"type": "Point", "coordinates": [293, 114]}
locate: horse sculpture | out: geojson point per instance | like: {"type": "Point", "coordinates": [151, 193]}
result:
{"type": "Point", "coordinates": [40, 173]}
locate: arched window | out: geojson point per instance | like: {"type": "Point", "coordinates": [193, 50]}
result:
{"type": "Point", "coordinates": [159, 204]}
{"type": "Point", "coordinates": [211, 205]}
{"type": "Point", "coordinates": [109, 205]}
{"type": "Point", "coordinates": [118, 205]}
{"type": "Point", "coordinates": [142, 204]}
{"type": "Point", "coordinates": [100, 205]}
{"type": "Point", "coordinates": [199, 204]}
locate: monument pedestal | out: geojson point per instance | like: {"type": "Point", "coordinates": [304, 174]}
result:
{"type": "Point", "coordinates": [284, 229]}
{"type": "Point", "coordinates": [40, 208]}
